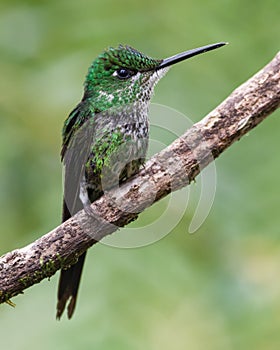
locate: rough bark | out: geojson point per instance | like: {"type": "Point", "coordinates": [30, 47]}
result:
{"type": "Point", "coordinates": [171, 169]}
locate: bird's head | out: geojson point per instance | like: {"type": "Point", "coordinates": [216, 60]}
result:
{"type": "Point", "coordinates": [123, 75]}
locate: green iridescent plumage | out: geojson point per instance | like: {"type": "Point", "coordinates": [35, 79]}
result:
{"type": "Point", "coordinates": [105, 138]}
{"type": "Point", "coordinates": [114, 58]}
{"type": "Point", "coordinates": [109, 123]}
{"type": "Point", "coordinates": [107, 89]}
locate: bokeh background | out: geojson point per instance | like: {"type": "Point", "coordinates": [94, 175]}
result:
{"type": "Point", "coordinates": [216, 289]}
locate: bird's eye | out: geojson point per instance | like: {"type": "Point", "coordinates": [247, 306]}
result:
{"type": "Point", "coordinates": [123, 73]}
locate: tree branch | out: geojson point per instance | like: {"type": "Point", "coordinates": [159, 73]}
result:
{"type": "Point", "coordinates": [171, 169]}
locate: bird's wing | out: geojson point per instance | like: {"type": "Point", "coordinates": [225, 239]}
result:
{"type": "Point", "coordinates": [77, 138]}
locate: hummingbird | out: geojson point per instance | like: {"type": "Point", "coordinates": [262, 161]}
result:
{"type": "Point", "coordinates": [105, 138]}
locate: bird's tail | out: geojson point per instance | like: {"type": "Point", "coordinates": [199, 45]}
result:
{"type": "Point", "coordinates": [69, 280]}
{"type": "Point", "coordinates": [68, 287]}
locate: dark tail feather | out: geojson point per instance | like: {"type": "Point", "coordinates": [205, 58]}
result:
{"type": "Point", "coordinates": [68, 287]}
{"type": "Point", "coordinates": [69, 281]}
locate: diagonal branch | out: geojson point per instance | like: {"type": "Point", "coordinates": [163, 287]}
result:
{"type": "Point", "coordinates": [171, 169]}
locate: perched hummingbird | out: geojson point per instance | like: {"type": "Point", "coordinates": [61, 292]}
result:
{"type": "Point", "coordinates": [106, 136]}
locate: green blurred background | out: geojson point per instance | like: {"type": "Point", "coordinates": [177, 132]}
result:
{"type": "Point", "coordinates": [216, 289]}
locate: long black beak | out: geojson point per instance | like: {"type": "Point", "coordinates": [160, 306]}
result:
{"type": "Point", "coordinates": [188, 54]}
